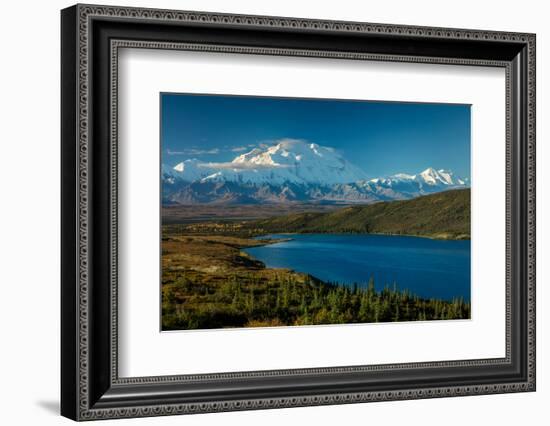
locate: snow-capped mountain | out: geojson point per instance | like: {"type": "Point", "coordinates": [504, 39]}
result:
{"type": "Point", "coordinates": [427, 180]}
{"type": "Point", "coordinates": [289, 161]}
{"type": "Point", "coordinates": [294, 170]}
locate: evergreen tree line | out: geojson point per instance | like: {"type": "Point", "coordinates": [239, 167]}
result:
{"type": "Point", "coordinates": [282, 300]}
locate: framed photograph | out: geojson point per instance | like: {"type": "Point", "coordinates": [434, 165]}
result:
{"type": "Point", "coordinates": [263, 212]}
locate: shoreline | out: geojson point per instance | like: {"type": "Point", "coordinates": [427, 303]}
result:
{"type": "Point", "coordinates": [362, 285]}
{"type": "Point", "coordinates": [269, 241]}
{"type": "Point", "coordinates": [431, 237]}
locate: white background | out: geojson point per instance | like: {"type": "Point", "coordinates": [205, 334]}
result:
{"type": "Point", "coordinates": [191, 352]}
{"type": "Point", "coordinates": [29, 225]}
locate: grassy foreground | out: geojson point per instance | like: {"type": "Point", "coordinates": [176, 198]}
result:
{"type": "Point", "coordinates": [208, 282]}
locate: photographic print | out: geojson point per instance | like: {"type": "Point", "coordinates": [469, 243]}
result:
{"type": "Point", "coordinates": [293, 211]}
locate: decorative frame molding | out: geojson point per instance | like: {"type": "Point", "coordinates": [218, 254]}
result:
{"type": "Point", "coordinates": [91, 388]}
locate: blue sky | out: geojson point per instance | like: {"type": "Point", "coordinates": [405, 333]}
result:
{"type": "Point", "coordinates": [382, 138]}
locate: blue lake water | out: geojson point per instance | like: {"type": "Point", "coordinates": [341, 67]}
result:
{"type": "Point", "coordinates": [426, 267]}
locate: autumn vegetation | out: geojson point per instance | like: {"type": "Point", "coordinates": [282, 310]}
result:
{"type": "Point", "coordinates": [209, 282]}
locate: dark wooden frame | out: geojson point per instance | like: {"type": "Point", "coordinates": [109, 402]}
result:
{"type": "Point", "coordinates": [90, 386]}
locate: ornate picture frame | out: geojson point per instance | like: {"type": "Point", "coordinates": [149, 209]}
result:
{"type": "Point", "coordinates": [91, 37]}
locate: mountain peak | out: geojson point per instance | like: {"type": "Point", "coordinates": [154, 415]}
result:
{"type": "Point", "coordinates": [430, 171]}
{"type": "Point", "coordinates": [441, 176]}
{"type": "Point", "coordinates": [287, 161]}
{"type": "Point", "coordinates": [247, 155]}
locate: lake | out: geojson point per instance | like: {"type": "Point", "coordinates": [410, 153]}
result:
{"type": "Point", "coordinates": [426, 267]}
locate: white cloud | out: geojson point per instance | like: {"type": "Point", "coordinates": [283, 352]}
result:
{"type": "Point", "coordinates": [239, 149]}
{"type": "Point", "coordinates": [194, 151]}
{"type": "Point", "coordinates": [241, 166]}
{"type": "Point", "coordinates": [266, 143]}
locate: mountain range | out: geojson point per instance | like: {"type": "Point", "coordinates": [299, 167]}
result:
{"type": "Point", "coordinates": [294, 171]}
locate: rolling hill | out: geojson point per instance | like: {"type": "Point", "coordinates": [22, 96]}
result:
{"type": "Point", "coordinates": [444, 215]}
